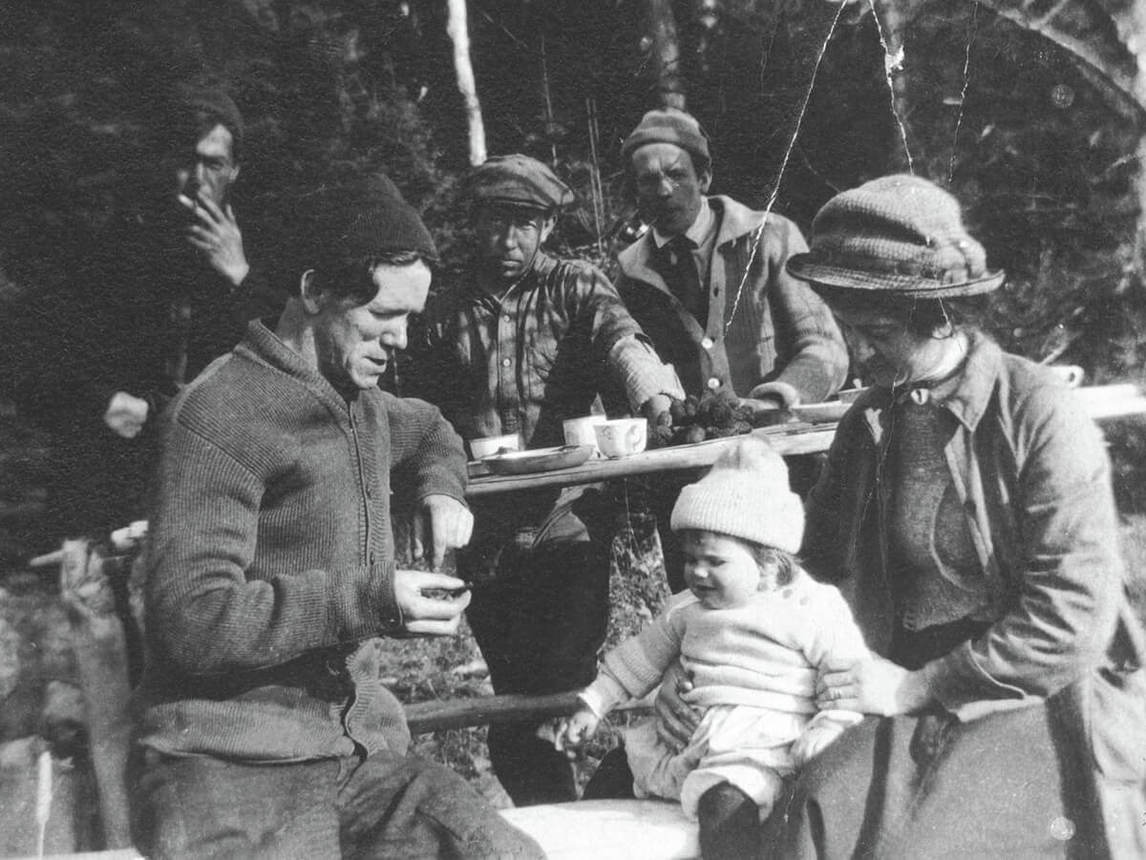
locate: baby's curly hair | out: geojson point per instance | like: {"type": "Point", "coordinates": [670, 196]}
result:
{"type": "Point", "coordinates": [768, 558]}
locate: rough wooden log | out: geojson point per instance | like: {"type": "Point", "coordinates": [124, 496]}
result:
{"type": "Point", "coordinates": [458, 713]}
{"type": "Point", "coordinates": [101, 656]}
{"type": "Point", "coordinates": [439, 716]}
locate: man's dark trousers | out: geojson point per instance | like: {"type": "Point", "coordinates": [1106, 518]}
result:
{"type": "Point", "coordinates": [383, 806]}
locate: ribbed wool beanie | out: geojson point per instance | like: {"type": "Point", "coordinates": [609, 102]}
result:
{"type": "Point", "coordinates": [357, 220]}
{"type": "Point", "coordinates": [673, 126]}
{"type": "Point", "coordinates": [746, 495]}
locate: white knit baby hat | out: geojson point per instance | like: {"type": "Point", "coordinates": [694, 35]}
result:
{"type": "Point", "coordinates": [746, 494]}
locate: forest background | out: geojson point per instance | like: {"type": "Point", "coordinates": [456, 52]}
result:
{"type": "Point", "coordinates": [801, 98]}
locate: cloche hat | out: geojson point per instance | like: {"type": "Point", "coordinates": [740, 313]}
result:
{"type": "Point", "coordinates": [897, 235]}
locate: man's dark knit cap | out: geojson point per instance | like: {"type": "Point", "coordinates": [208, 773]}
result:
{"type": "Point", "coordinates": [214, 102]}
{"type": "Point", "coordinates": [897, 235]}
{"type": "Point", "coordinates": [358, 220]}
{"type": "Point", "coordinates": [669, 125]}
{"type": "Point", "coordinates": [518, 180]}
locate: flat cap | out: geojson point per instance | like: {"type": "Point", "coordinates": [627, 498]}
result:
{"type": "Point", "coordinates": [518, 180]}
{"type": "Point", "coordinates": [669, 125]}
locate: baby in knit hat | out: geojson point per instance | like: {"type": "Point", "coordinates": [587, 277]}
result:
{"type": "Point", "coordinates": [752, 631]}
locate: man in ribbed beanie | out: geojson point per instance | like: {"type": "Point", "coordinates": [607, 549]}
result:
{"type": "Point", "coordinates": [522, 342]}
{"type": "Point", "coordinates": [272, 580]}
{"type": "Point", "coordinates": [707, 284]}
{"type": "Point", "coordinates": [344, 225]}
{"type": "Point", "coordinates": [746, 495]}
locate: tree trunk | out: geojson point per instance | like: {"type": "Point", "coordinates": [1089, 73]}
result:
{"type": "Point", "coordinates": [661, 38]}
{"type": "Point", "coordinates": [458, 31]}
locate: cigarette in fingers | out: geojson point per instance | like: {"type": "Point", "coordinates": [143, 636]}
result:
{"type": "Point", "coordinates": [447, 593]}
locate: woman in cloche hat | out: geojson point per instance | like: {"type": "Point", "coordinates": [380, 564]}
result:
{"type": "Point", "coordinates": [966, 509]}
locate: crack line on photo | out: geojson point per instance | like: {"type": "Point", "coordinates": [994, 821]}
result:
{"type": "Point", "coordinates": [759, 231]}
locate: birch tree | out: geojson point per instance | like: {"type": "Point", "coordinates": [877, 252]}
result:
{"type": "Point", "coordinates": [458, 30]}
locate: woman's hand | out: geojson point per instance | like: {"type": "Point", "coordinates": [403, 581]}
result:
{"type": "Point", "coordinates": [677, 719]}
{"type": "Point", "coordinates": [874, 686]}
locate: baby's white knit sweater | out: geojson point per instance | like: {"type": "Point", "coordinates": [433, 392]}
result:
{"type": "Point", "coordinates": [765, 654]}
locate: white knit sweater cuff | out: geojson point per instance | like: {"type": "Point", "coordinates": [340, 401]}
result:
{"type": "Point", "coordinates": [602, 695]}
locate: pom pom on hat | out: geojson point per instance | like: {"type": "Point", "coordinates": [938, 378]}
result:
{"type": "Point", "coordinates": [897, 235]}
{"type": "Point", "coordinates": [669, 125]}
{"type": "Point", "coordinates": [746, 495]}
{"type": "Point", "coordinates": [518, 180]}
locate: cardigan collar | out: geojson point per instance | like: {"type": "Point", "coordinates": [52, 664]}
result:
{"type": "Point", "coordinates": [734, 220]}
{"type": "Point", "coordinates": [265, 346]}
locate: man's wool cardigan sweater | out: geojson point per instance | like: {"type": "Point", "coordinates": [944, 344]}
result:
{"type": "Point", "coordinates": [271, 562]}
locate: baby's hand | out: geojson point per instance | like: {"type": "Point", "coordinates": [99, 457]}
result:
{"type": "Point", "coordinates": [575, 731]}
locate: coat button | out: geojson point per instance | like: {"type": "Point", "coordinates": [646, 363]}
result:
{"type": "Point", "coordinates": [707, 343]}
{"type": "Point", "coordinates": [713, 383]}
{"type": "Point", "coordinates": [505, 362]}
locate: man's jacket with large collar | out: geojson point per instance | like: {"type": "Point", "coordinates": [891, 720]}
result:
{"type": "Point", "coordinates": [764, 327]}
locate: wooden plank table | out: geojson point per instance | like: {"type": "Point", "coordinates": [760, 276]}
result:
{"type": "Point", "coordinates": [786, 439]}
{"type": "Point", "coordinates": [1104, 403]}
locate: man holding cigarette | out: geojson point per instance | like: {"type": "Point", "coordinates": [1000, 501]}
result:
{"type": "Point", "coordinates": [165, 288]}
{"type": "Point", "coordinates": [265, 730]}
{"type": "Point", "coordinates": [525, 343]}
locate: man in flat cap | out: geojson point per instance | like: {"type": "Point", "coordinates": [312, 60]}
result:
{"type": "Point", "coordinates": [707, 284]}
{"type": "Point", "coordinates": [525, 343]}
{"type": "Point", "coordinates": [164, 289]}
{"type": "Point", "coordinates": [264, 729]}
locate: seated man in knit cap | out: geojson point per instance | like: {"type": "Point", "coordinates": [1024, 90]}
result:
{"type": "Point", "coordinates": [162, 291]}
{"type": "Point", "coordinates": [707, 284]}
{"type": "Point", "coordinates": [524, 344]}
{"type": "Point", "coordinates": [263, 727]}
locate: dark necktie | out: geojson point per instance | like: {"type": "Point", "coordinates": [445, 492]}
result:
{"type": "Point", "coordinates": [676, 266]}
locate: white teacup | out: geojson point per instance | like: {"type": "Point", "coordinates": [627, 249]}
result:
{"type": "Point", "coordinates": [622, 437]}
{"type": "Point", "coordinates": [487, 446]}
{"type": "Point", "coordinates": [582, 431]}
